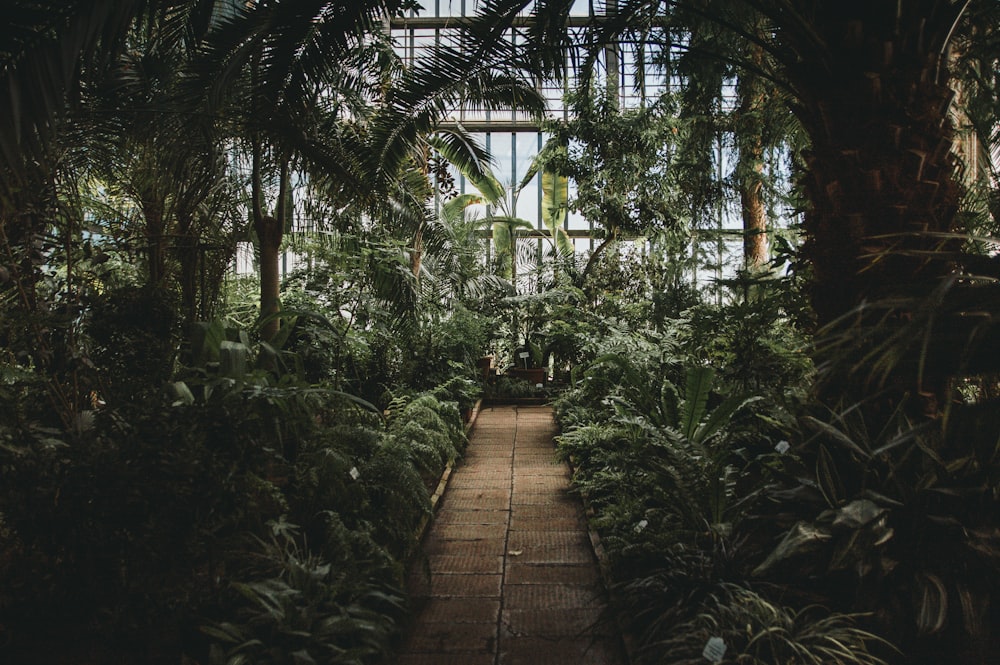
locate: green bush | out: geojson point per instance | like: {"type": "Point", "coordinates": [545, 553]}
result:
{"type": "Point", "coordinates": [311, 609]}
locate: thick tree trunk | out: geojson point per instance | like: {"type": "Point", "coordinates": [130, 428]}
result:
{"type": "Point", "coordinates": [872, 92]}
{"type": "Point", "coordinates": [750, 165]}
{"type": "Point", "coordinates": [269, 233]}
{"type": "Point", "coordinates": [881, 163]}
{"type": "Point", "coordinates": [754, 213]}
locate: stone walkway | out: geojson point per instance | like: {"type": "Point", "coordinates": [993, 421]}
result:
{"type": "Point", "coordinates": [509, 575]}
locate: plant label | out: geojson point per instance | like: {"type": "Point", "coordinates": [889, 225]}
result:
{"type": "Point", "coordinates": [355, 474]}
{"type": "Point", "coordinates": [782, 447]}
{"type": "Point", "coordinates": [523, 354]}
{"type": "Point", "coordinates": [715, 650]}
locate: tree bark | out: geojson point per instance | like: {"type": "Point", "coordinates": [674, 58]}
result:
{"type": "Point", "coordinates": [754, 213]}
{"type": "Point", "coordinates": [750, 165]}
{"type": "Point", "coordinates": [880, 171]}
{"type": "Point", "coordinates": [269, 233]}
{"type": "Point", "coordinates": [871, 90]}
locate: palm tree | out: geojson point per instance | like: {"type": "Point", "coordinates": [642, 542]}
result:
{"type": "Point", "coordinates": [320, 87]}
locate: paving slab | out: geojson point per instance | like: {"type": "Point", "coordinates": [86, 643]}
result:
{"type": "Point", "coordinates": [507, 574]}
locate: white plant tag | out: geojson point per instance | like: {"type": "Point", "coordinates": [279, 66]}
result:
{"type": "Point", "coordinates": [355, 474]}
{"type": "Point", "coordinates": [640, 527]}
{"type": "Point", "coordinates": [715, 650]}
{"type": "Point", "coordinates": [524, 354]}
{"type": "Point", "coordinates": [782, 447]}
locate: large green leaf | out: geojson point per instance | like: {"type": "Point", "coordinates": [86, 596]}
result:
{"type": "Point", "coordinates": [802, 538]}
{"type": "Point", "coordinates": [233, 359]}
{"type": "Point", "coordinates": [455, 207]}
{"type": "Point", "coordinates": [463, 152]}
{"type": "Point", "coordinates": [502, 239]}
{"type": "Point", "coordinates": [720, 417]}
{"type": "Point", "coordinates": [555, 198]}
{"type": "Point", "coordinates": [836, 435]}
{"type": "Point", "coordinates": [699, 384]}
{"type": "Point", "coordinates": [504, 230]}
{"type": "Point", "coordinates": [828, 477]}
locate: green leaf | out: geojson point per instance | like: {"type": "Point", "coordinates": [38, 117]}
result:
{"type": "Point", "coordinates": [802, 538]}
{"type": "Point", "coordinates": [502, 239]}
{"type": "Point", "coordinates": [302, 657]}
{"type": "Point", "coordinates": [836, 435]}
{"type": "Point", "coordinates": [933, 609]}
{"type": "Point", "coordinates": [180, 393]}
{"type": "Point", "coordinates": [455, 207]}
{"type": "Point", "coordinates": [461, 150]}
{"type": "Point", "coordinates": [225, 632]}
{"type": "Point", "coordinates": [857, 514]}
{"type": "Point", "coordinates": [699, 384]}
{"type": "Point", "coordinates": [233, 358]}
{"type": "Point", "coordinates": [555, 198]}
{"type": "Point", "coordinates": [206, 338]}
{"type": "Point", "coordinates": [720, 417]}
{"type": "Point", "coordinates": [828, 477]}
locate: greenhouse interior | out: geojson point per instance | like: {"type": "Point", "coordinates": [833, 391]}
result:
{"type": "Point", "coordinates": [506, 332]}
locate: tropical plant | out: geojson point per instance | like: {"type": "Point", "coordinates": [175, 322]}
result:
{"type": "Point", "coordinates": [311, 610]}
{"type": "Point", "coordinates": [900, 517]}
{"type": "Point", "coordinates": [620, 162]}
{"type": "Point", "coordinates": [738, 625]}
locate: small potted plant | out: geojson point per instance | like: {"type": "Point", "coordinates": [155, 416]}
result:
{"type": "Point", "coordinates": [527, 364]}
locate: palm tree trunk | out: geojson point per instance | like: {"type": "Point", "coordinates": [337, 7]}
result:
{"type": "Point", "coordinates": [754, 223]}
{"type": "Point", "coordinates": [750, 165]}
{"type": "Point", "coordinates": [881, 161]}
{"type": "Point", "coordinates": [271, 232]}
{"type": "Point", "coordinates": [872, 93]}
{"type": "Point", "coordinates": [154, 226]}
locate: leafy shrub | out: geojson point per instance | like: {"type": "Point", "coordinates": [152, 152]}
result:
{"type": "Point", "coordinates": [897, 520]}
{"type": "Point", "coordinates": [756, 631]}
{"type": "Point", "coordinates": [397, 495]}
{"type": "Point", "coordinates": [137, 524]}
{"type": "Point", "coordinates": [340, 611]}
{"type": "Point", "coordinates": [444, 344]}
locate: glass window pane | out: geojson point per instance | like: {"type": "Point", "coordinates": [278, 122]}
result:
{"type": "Point", "coordinates": [527, 201]}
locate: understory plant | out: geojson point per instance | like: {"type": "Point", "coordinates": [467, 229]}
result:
{"type": "Point", "coordinates": [240, 497]}
{"type": "Point", "coordinates": [312, 607]}
{"type": "Point", "coordinates": [674, 456]}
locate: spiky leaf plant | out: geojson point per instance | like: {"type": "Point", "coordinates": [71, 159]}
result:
{"type": "Point", "coordinates": [757, 631]}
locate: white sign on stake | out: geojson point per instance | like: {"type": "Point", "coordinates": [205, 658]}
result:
{"type": "Point", "coordinates": [524, 354]}
{"type": "Point", "coordinates": [715, 650]}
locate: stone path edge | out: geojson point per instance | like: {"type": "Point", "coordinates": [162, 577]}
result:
{"type": "Point", "coordinates": [603, 565]}
{"type": "Point", "coordinates": [442, 485]}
